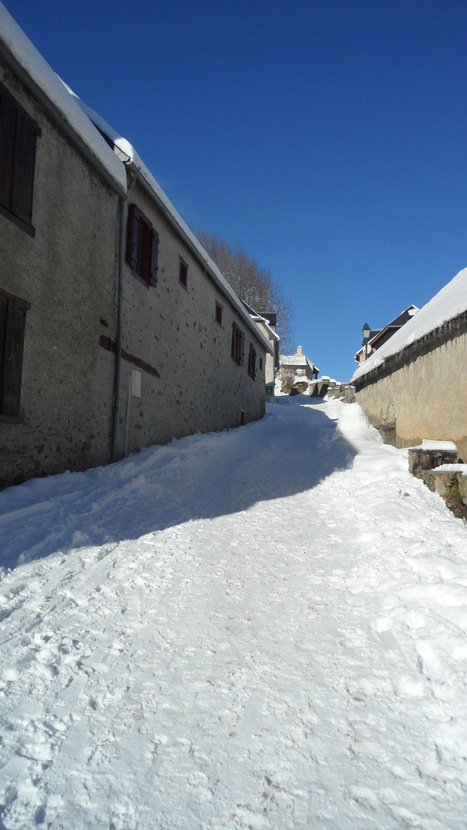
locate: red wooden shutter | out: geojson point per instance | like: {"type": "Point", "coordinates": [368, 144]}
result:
{"type": "Point", "coordinates": [3, 313]}
{"type": "Point", "coordinates": [13, 358]}
{"type": "Point", "coordinates": [132, 237]}
{"type": "Point", "coordinates": [232, 348]}
{"type": "Point", "coordinates": [153, 266]}
{"type": "Point", "coordinates": [25, 160]}
{"type": "Point", "coordinates": [242, 348]}
{"type": "Point", "coordinates": [8, 117]}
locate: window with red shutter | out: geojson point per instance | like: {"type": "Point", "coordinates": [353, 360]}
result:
{"type": "Point", "coordinates": [252, 362]}
{"type": "Point", "coordinates": [142, 246]}
{"type": "Point", "coordinates": [238, 344]}
{"type": "Point", "coordinates": [18, 136]}
{"type": "Point", "coordinates": [12, 328]}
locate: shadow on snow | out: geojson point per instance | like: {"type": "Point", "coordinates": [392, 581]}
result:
{"type": "Point", "coordinates": [289, 451]}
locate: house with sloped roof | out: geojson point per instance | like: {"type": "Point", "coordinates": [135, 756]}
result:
{"type": "Point", "coordinates": [414, 386]}
{"type": "Point", "coordinates": [267, 323]}
{"type": "Point", "coordinates": [117, 331]}
{"type": "Point", "coordinates": [373, 339]}
{"type": "Point", "coordinates": [296, 371]}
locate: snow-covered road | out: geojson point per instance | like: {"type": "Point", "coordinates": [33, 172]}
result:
{"type": "Point", "coordinates": [264, 628]}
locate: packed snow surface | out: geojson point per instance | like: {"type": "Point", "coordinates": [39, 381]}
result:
{"type": "Point", "coordinates": [443, 307]}
{"type": "Point", "coordinates": [263, 628]}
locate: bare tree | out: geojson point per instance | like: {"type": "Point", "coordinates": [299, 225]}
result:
{"type": "Point", "coordinates": [254, 285]}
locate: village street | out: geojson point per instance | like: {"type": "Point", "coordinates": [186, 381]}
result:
{"type": "Point", "coordinates": [260, 628]}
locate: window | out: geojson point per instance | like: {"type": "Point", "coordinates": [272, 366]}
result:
{"type": "Point", "coordinates": [18, 134]}
{"type": "Point", "coordinates": [183, 273]}
{"type": "Point", "coordinates": [238, 344]}
{"type": "Point", "coordinates": [252, 362]}
{"type": "Point", "coordinates": [12, 327]}
{"type": "Point", "coordinates": [142, 247]}
{"type": "Point", "coordinates": [218, 313]}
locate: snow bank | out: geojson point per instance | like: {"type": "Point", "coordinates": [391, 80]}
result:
{"type": "Point", "coordinates": [263, 628]}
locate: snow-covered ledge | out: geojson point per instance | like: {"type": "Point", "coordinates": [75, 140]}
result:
{"type": "Point", "coordinates": [434, 462]}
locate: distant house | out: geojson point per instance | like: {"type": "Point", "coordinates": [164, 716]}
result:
{"type": "Point", "coordinates": [267, 322]}
{"type": "Point", "coordinates": [415, 385]}
{"type": "Point", "coordinates": [373, 339]}
{"type": "Point", "coordinates": [297, 370]}
{"type": "Point", "coordinates": [117, 331]}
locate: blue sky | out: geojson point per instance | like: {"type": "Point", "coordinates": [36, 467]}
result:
{"type": "Point", "coordinates": [328, 137]}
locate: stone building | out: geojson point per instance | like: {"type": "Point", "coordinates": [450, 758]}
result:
{"type": "Point", "coordinates": [296, 371]}
{"type": "Point", "coordinates": [116, 329]}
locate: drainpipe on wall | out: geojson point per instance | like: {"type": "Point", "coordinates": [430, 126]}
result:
{"type": "Point", "coordinates": [118, 337]}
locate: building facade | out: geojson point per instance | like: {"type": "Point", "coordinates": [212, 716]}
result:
{"type": "Point", "coordinates": [116, 329]}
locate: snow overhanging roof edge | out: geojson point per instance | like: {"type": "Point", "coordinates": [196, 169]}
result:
{"type": "Point", "coordinates": [36, 74]}
{"type": "Point", "coordinates": [136, 164]}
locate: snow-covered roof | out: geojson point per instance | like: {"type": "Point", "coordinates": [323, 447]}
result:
{"type": "Point", "coordinates": [22, 54]}
{"type": "Point", "coordinates": [258, 318]}
{"type": "Point", "coordinates": [294, 360]}
{"type": "Point", "coordinates": [443, 307]}
{"type": "Point", "coordinates": [81, 121]}
{"type": "Point", "coordinates": [128, 154]}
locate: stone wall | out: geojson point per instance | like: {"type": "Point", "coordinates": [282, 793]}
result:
{"type": "Point", "coordinates": [173, 350]}
{"type": "Point", "coordinates": [191, 383]}
{"type": "Point", "coordinates": [422, 391]}
{"type": "Point", "coordinates": [66, 271]}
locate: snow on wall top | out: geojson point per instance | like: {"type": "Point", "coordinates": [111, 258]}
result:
{"type": "Point", "coordinates": [27, 56]}
{"type": "Point", "coordinates": [129, 154]}
{"type": "Point", "coordinates": [444, 306]}
{"type": "Point", "coordinates": [294, 360]}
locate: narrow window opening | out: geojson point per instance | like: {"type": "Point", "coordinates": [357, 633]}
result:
{"type": "Point", "coordinates": [18, 136]}
{"type": "Point", "coordinates": [238, 344]}
{"type": "Point", "coordinates": [183, 273]}
{"type": "Point", "coordinates": [142, 247]}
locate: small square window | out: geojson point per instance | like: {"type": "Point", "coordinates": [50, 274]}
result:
{"type": "Point", "coordinates": [183, 273]}
{"type": "Point", "coordinates": [218, 313]}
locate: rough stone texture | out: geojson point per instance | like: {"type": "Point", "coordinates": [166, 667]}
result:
{"type": "Point", "coordinates": [426, 459]}
{"type": "Point", "coordinates": [422, 393]}
{"type": "Point", "coordinates": [452, 487]}
{"type": "Point", "coordinates": [67, 273]}
{"type": "Point", "coordinates": [173, 329]}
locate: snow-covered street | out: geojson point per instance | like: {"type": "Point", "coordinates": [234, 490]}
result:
{"type": "Point", "coordinates": [263, 628]}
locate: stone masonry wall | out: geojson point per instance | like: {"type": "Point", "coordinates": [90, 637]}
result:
{"type": "Point", "coordinates": [67, 273]}
{"type": "Point", "coordinates": [424, 395]}
{"type": "Point", "coordinates": [192, 383]}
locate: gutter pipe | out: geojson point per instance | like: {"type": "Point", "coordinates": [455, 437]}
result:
{"type": "Point", "coordinates": [118, 333]}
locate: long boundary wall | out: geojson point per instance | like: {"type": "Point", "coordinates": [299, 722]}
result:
{"type": "Point", "coordinates": [421, 392]}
